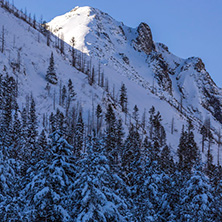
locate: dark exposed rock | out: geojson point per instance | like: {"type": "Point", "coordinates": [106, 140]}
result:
{"type": "Point", "coordinates": [161, 71]}
{"type": "Point", "coordinates": [122, 31]}
{"type": "Point", "coordinates": [106, 36]}
{"type": "Point", "coordinates": [144, 41]}
{"type": "Point", "coordinates": [125, 58]}
{"type": "Point", "coordinates": [199, 65]}
{"type": "Point", "coordinates": [163, 46]}
{"type": "Point", "coordinates": [213, 102]}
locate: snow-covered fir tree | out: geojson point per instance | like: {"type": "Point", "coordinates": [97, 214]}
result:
{"type": "Point", "coordinates": [98, 193]}
{"type": "Point", "coordinates": [51, 73]}
{"type": "Point", "coordinates": [47, 183]}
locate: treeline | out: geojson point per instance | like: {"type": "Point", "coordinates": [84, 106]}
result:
{"type": "Point", "coordinates": [106, 173]}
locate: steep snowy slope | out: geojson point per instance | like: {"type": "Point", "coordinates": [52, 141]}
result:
{"type": "Point", "coordinates": [132, 53]}
{"type": "Point", "coordinates": [150, 67]}
{"type": "Point", "coordinates": [178, 88]}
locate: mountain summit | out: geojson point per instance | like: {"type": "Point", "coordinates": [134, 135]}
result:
{"type": "Point", "coordinates": [90, 26]}
{"type": "Point", "coordinates": [133, 53]}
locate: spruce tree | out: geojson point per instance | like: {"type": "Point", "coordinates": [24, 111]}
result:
{"type": "Point", "coordinates": [71, 92]}
{"type": "Point", "coordinates": [98, 118]}
{"type": "Point", "coordinates": [131, 158]}
{"type": "Point", "coordinates": [72, 42]}
{"type": "Point", "coordinates": [42, 144]}
{"type": "Point", "coordinates": [98, 194]}
{"type": "Point", "coordinates": [64, 95]}
{"type": "Point", "coordinates": [46, 185]}
{"type": "Point", "coordinates": [28, 150]}
{"type": "Point", "coordinates": [123, 98]}
{"type": "Point", "coordinates": [71, 95]}
{"type": "Point", "coordinates": [3, 39]}
{"type": "Point", "coordinates": [166, 161]}
{"type": "Point", "coordinates": [210, 167]}
{"type": "Point", "coordinates": [78, 137]}
{"type": "Point", "coordinates": [10, 205]}
{"type": "Point", "coordinates": [187, 151]}
{"type": "Point", "coordinates": [136, 114]}
{"type": "Point", "coordinates": [32, 123]}
{"type": "Point", "coordinates": [51, 73]}
{"type": "Point", "coordinates": [217, 202]}
{"type": "Point", "coordinates": [119, 138]}
{"type": "Point", "coordinates": [52, 123]}
{"type": "Point", "coordinates": [196, 198]}
{"type": "Point", "coordinates": [24, 122]}
{"type": "Point", "coordinates": [147, 193]}
{"type": "Point", "coordinates": [16, 136]}
{"type": "Point", "coordinates": [203, 131]}
{"type": "Point", "coordinates": [110, 137]}
{"type": "Point", "coordinates": [151, 121]}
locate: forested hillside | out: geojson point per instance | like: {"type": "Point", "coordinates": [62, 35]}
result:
{"type": "Point", "coordinates": [84, 139]}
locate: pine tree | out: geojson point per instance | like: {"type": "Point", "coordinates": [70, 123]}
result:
{"type": "Point", "coordinates": [123, 98]}
{"type": "Point", "coordinates": [119, 138]}
{"type": "Point", "coordinates": [59, 121]}
{"type": "Point", "coordinates": [79, 137]}
{"type": "Point", "coordinates": [62, 44]}
{"type": "Point", "coordinates": [64, 95]}
{"type": "Point", "coordinates": [46, 185]}
{"type": "Point", "coordinates": [110, 137]}
{"type": "Point", "coordinates": [188, 151]}
{"type": "Point", "coordinates": [209, 165]}
{"type": "Point", "coordinates": [28, 150]}
{"type": "Point", "coordinates": [16, 136]}
{"type": "Point", "coordinates": [71, 95]}
{"type": "Point", "coordinates": [143, 120]}
{"type": "Point", "coordinates": [32, 123]}
{"type": "Point", "coordinates": [217, 202]}
{"type": "Point", "coordinates": [51, 74]}
{"type": "Point", "coordinates": [8, 104]}
{"type": "Point", "coordinates": [98, 118]}
{"type": "Point", "coordinates": [151, 194]}
{"type": "Point", "coordinates": [42, 144]}
{"type": "Point", "coordinates": [24, 123]}
{"type": "Point", "coordinates": [146, 150]}
{"type": "Point", "coordinates": [10, 205]}
{"type": "Point", "coordinates": [3, 39]}
{"type": "Point", "coordinates": [72, 42]}
{"type": "Point", "coordinates": [34, 22]}
{"type": "Point", "coordinates": [52, 122]}
{"type": "Point", "coordinates": [151, 121]}
{"type": "Point", "coordinates": [196, 198]}
{"type": "Point", "coordinates": [136, 114]}
{"type": "Point", "coordinates": [157, 129]}
{"type": "Point", "coordinates": [131, 157]}
{"type": "Point", "coordinates": [98, 194]}
{"type": "Point", "coordinates": [71, 92]}
{"type": "Point", "coordinates": [203, 131]}
{"type": "Point", "coordinates": [166, 161]}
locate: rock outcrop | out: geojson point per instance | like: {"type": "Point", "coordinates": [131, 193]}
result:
{"type": "Point", "coordinates": [144, 41]}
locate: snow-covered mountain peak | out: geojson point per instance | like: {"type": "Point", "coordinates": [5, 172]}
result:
{"type": "Point", "coordinates": [73, 24]}
{"type": "Point", "coordinates": [131, 52]}
{"type": "Point", "coordinates": [95, 30]}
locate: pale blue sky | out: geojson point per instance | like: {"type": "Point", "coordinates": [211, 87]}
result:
{"type": "Point", "coordinates": [187, 27]}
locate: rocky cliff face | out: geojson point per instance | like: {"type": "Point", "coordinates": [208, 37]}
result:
{"type": "Point", "coordinates": [144, 40]}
